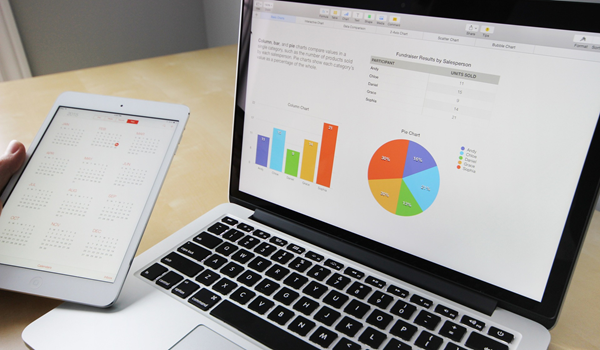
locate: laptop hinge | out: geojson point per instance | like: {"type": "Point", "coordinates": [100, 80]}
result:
{"type": "Point", "coordinates": [396, 269]}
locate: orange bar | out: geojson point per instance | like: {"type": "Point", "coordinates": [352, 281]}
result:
{"type": "Point", "coordinates": [309, 160]}
{"type": "Point", "coordinates": [328, 142]}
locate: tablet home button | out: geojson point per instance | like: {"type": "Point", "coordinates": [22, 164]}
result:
{"type": "Point", "coordinates": [35, 282]}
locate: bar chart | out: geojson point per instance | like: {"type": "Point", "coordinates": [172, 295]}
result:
{"type": "Point", "coordinates": [312, 163]}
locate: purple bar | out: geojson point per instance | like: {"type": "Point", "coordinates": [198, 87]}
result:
{"type": "Point", "coordinates": [262, 150]}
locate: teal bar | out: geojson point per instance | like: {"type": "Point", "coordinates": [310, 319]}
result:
{"type": "Point", "coordinates": [277, 149]}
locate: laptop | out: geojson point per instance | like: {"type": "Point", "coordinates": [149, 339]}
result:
{"type": "Point", "coordinates": [404, 175]}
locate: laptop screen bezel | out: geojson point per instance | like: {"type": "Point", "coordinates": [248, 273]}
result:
{"type": "Point", "coordinates": [545, 14]}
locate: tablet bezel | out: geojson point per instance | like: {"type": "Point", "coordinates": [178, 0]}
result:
{"type": "Point", "coordinates": [79, 289]}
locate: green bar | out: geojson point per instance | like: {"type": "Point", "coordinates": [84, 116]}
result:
{"type": "Point", "coordinates": [292, 161]}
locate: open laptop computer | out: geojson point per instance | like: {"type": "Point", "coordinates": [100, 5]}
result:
{"type": "Point", "coordinates": [407, 174]}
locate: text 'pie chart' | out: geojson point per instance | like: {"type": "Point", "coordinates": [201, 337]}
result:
{"type": "Point", "coordinates": [403, 177]}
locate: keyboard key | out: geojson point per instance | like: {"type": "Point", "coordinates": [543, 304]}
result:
{"type": "Point", "coordinates": [194, 251]}
{"type": "Point", "coordinates": [357, 309]}
{"type": "Point", "coordinates": [242, 295]}
{"type": "Point", "coordinates": [242, 256]}
{"type": "Point", "coordinates": [259, 264]}
{"type": "Point", "coordinates": [249, 242]}
{"type": "Point", "coordinates": [185, 289]}
{"type": "Point", "coordinates": [372, 337]}
{"type": "Point", "coordinates": [397, 291]}
{"type": "Point", "coordinates": [233, 235]}
{"type": "Point", "coordinates": [267, 286]}
{"type": "Point", "coordinates": [477, 341]}
{"type": "Point", "coordinates": [354, 273]}
{"type": "Point", "coordinates": [380, 299]}
{"type": "Point", "coordinates": [295, 248]}
{"type": "Point", "coordinates": [396, 344]}
{"type": "Point", "coordinates": [500, 334]}
{"type": "Point", "coordinates": [359, 290]}
{"type": "Point", "coordinates": [471, 322]}
{"type": "Point", "coordinates": [300, 264]}
{"type": "Point", "coordinates": [226, 249]}
{"type": "Point", "coordinates": [295, 280]}
{"type": "Point", "coordinates": [379, 319]}
{"type": "Point", "coordinates": [301, 326]}
{"type": "Point", "coordinates": [215, 261]}
{"type": "Point", "coordinates": [427, 320]}
{"type": "Point", "coordinates": [154, 271]}
{"type": "Point", "coordinates": [452, 331]}
{"type": "Point", "coordinates": [429, 341]}
{"type": "Point", "coordinates": [419, 300]}
{"type": "Point", "coordinates": [349, 326]}
{"type": "Point", "coordinates": [224, 286]}
{"type": "Point", "coordinates": [445, 311]}
{"type": "Point", "coordinates": [232, 269]}
{"type": "Point", "coordinates": [181, 264]}
{"type": "Point", "coordinates": [403, 309]}
{"type": "Point", "coordinates": [335, 299]}
{"type": "Point", "coordinates": [249, 278]}
{"type": "Point", "coordinates": [403, 330]}
{"type": "Point", "coordinates": [315, 289]}
{"type": "Point", "coordinates": [208, 277]}
{"type": "Point", "coordinates": [338, 281]}
{"type": "Point", "coordinates": [257, 328]}
{"type": "Point", "coordinates": [323, 337]}
{"type": "Point", "coordinates": [334, 264]}
{"type": "Point", "coordinates": [217, 228]}
{"type": "Point", "coordinates": [278, 241]}
{"type": "Point", "coordinates": [376, 282]}
{"type": "Point", "coordinates": [204, 299]}
{"type": "Point", "coordinates": [208, 240]}
{"type": "Point", "coordinates": [261, 305]}
{"type": "Point", "coordinates": [327, 316]}
{"type": "Point", "coordinates": [306, 306]}
{"type": "Point", "coordinates": [314, 256]}
{"type": "Point", "coordinates": [282, 256]}
{"type": "Point", "coordinates": [451, 346]}
{"type": "Point", "coordinates": [286, 296]}
{"type": "Point", "coordinates": [346, 344]}
{"type": "Point", "coordinates": [261, 234]}
{"type": "Point", "coordinates": [318, 272]}
{"type": "Point", "coordinates": [277, 272]}
{"type": "Point", "coordinates": [265, 249]}
{"type": "Point", "coordinates": [245, 227]}
{"type": "Point", "coordinates": [280, 315]}
{"type": "Point", "coordinates": [169, 280]}
{"type": "Point", "coordinates": [229, 221]}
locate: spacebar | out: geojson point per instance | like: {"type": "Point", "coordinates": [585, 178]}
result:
{"type": "Point", "coordinates": [257, 328]}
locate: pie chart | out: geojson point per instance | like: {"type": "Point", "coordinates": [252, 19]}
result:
{"type": "Point", "coordinates": [403, 177]}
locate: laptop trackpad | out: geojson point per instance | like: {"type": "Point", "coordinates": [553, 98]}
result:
{"type": "Point", "coordinates": [201, 338]}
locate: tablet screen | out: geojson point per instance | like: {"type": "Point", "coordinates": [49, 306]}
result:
{"type": "Point", "coordinates": [78, 201]}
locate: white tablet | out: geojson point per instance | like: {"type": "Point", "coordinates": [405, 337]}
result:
{"type": "Point", "coordinates": [74, 215]}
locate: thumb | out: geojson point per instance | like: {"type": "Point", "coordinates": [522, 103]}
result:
{"type": "Point", "coordinates": [10, 162]}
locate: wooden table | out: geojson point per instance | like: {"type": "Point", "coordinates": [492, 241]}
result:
{"type": "Point", "coordinates": [197, 181]}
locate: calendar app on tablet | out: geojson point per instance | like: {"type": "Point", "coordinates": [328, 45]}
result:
{"type": "Point", "coordinates": [82, 193]}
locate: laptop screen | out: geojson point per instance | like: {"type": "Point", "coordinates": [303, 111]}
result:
{"type": "Point", "coordinates": [459, 142]}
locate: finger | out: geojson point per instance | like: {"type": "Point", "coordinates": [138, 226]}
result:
{"type": "Point", "coordinates": [11, 161]}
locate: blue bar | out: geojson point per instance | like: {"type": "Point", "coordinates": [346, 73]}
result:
{"type": "Point", "coordinates": [262, 150]}
{"type": "Point", "coordinates": [277, 150]}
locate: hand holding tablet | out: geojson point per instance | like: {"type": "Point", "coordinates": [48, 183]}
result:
{"type": "Point", "coordinates": [74, 214]}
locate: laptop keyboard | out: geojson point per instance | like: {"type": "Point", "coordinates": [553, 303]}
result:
{"type": "Point", "coordinates": [286, 296]}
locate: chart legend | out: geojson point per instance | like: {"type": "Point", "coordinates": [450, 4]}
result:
{"type": "Point", "coordinates": [403, 177]}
